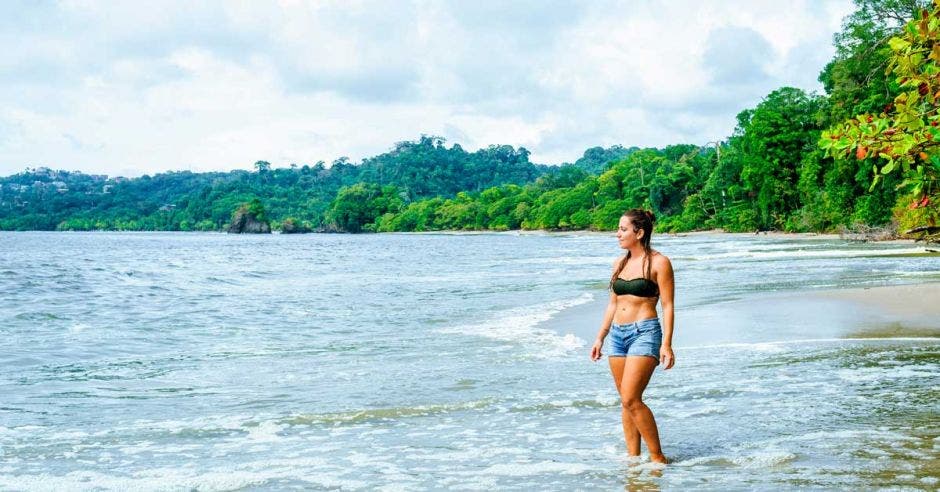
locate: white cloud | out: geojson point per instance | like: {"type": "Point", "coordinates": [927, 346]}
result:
{"type": "Point", "coordinates": [111, 88]}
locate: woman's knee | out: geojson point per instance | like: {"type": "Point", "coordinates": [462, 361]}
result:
{"type": "Point", "coordinates": [631, 403]}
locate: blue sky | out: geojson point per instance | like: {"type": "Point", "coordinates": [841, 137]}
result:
{"type": "Point", "coordinates": [130, 88]}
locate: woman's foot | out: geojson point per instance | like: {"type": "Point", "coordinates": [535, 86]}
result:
{"type": "Point", "coordinates": [659, 458]}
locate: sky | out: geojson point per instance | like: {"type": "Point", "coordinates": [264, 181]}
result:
{"type": "Point", "coordinates": [133, 88]}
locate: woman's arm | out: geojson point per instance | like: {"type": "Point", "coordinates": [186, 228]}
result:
{"type": "Point", "coordinates": [605, 327]}
{"type": "Point", "coordinates": [605, 323]}
{"type": "Point", "coordinates": [666, 281]}
{"type": "Point", "coordinates": [608, 317]}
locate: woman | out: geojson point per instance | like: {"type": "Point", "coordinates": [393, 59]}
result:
{"type": "Point", "coordinates": [638, 343]}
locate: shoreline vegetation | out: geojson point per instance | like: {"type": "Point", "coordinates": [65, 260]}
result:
{"type": "Point", "coordinates": [852, 161]}
{"type": "Point", "coordinates": [538, 232]}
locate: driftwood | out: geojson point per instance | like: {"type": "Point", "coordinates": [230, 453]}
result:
{"type": "Point", "coordinates": [928, 234]}
{"type": "Point", "coordinates": [927, 229]}
{"type": "Point", "coordinates": [863, 232]}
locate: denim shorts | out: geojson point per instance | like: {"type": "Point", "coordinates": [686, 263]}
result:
{"type": "Point", "coordinates": [643, 337]}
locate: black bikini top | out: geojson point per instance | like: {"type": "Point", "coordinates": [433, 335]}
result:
{"type": "Point", "coordinates": [640, 287]}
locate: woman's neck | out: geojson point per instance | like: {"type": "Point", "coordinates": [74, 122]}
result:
{"type": "Point", "coordinates": [636, 251]}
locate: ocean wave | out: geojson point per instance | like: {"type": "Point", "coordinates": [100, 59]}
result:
{"type": "Point", "coordinates": [773, 345]}
{"type": "Point", "coordinates": [520, 326]}
{"type": "Point", "coordinates": [253, 474]}
{"type": "Point", "coordinates": [802, 254]}
{"type": "Point", "coordinates": [564, 260]}
{"type": "Point", "coordinates": [381, 414]}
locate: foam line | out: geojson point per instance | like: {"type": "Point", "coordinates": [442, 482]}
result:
{"type": "Point", "coordinates": [807, 340]}
{"type": "Point", "coordinates": [805, 254]}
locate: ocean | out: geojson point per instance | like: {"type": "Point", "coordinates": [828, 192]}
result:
{"type": "Point", "coordinates": [191, 361]}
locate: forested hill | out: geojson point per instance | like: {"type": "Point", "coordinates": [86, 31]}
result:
{"type": "Point", "coordinates": [864, 154]}
{"type": "Point", "coordinates": [596, 159]}
{"type": "Point", "coordinates": [46, 199]}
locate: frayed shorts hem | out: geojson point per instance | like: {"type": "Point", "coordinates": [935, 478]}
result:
{"type": "Point", "coordinates": [654, 357]}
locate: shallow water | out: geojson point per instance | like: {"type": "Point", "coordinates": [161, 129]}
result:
{"type": "Point", "coordinates": [414, 361]}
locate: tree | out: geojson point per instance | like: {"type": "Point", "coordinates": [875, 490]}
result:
{"type": "Point", "coordinates": [262, 166]}
{"type": "Point", "coordinates": [905, 136]}
{"type": "Point", "coordinates": [773, 138]}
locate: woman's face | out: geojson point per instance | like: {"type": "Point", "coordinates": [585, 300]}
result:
{"type": "Point", "coordinates": [625, 234]}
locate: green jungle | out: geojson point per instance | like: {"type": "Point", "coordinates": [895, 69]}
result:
{"type": "Point", "coordinates": [861, 157]}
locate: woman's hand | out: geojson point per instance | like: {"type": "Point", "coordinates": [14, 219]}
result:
{"type": "Point", "coordinates": [666, 358]}
{"type": "Point", "coordinates": [596, 350]}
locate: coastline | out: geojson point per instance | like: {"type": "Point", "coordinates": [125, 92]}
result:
{"type": "Point", "coordinates": [521, 232]}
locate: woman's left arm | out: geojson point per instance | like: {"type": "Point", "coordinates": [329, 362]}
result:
{"type": "Point", "coordinates": [666, 281]}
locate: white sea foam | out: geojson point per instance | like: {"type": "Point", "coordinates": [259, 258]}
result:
{"type": "Point", "coordinates": [197, 424]}
{"type": "Point", "coordinates": [790, 254]}
{"type": "Point", "coordinates": [696, 412]}
{"type": "Point", "coordinates": [520, 325]}
{"type": "Point", "coordinates": [763, 346]}
{"type": "Point", "coordinates": [265, 432]}
{"type": "Point", "coordinates": [703, 460]}
{"type": "Point", "coordinates": [77, 328]}
{"type": "Point", "coordinates": [565, 260]}
{"type": "Point", "coordinates": [764, 459]}
{"type": "Point", "coordinates": [315, 471]}
{"type": "Point", "coordinates": [872, 374]}
{"type": "Point", "coordinates": [539, 468]}
{"type": "Point", "coordinates": [834, 438]}
{"type": "Point", "coordinates": [171, 480]}
{"type": "Point", "coordinates": [644, 465]}
{"type": "Point", "coordinates": [22, 430]}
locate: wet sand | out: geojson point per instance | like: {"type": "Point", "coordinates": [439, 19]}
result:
{"type": "Point", "coordinates": [876, 312]}
{"type": "Point", "coordinates": [895, 300]}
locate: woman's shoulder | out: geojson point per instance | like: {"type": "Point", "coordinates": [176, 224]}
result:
{"type": "Point", "coordinates": [659, 258]}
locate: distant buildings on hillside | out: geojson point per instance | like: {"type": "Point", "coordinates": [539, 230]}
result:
{"type": "Point", "coordinates": [14, 189]}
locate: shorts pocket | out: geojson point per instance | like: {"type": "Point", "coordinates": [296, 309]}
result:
{"type": "Point", "coordinates": [650, 328]}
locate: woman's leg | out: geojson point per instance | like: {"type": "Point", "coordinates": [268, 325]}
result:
{"type": "Point", "coordinates": [636, 375]}
{"type": "Point", "coordinates": [630, 434]}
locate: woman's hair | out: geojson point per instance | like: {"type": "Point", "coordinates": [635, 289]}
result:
{"type": "Point", "coordinates": [641, 220]}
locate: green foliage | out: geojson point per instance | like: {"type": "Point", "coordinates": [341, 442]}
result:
{"type": "Point", "coordinates": [256, 208]}
{"type": "Point", "coordinates": [903, 139]}
{"type": "Point", "coordinates": [427, 168]}
{"type": "Point", "coordinates": [774, 137]}
{"type": "Point", "coordinates": [855, 78]}
{"type": "Point", "coordinates": [357, 207]}
{"type": "Point", "coordinates": [597, 159]}
{"type": "Point", "coordinates": [291, 225]}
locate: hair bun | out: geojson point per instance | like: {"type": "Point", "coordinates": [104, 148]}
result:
{"type": "Point", "coordinates": [651, 216]}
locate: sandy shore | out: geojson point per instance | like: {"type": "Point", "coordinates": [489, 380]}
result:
{"type": "Point", "coordinates": [899, 300]}
{"type": "Point", "coordinates": [876, 312]}
{"type": "Point", "coordinates": [896, 310]}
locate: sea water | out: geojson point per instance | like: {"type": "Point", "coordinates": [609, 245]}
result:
{"type": "Point", "coordinates": [181, 361]}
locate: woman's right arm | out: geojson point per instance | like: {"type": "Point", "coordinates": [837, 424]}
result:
{"type": "Point", "coordinates": [608, 319]}
{"type": "Point", "coordinates": [605, 327]}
